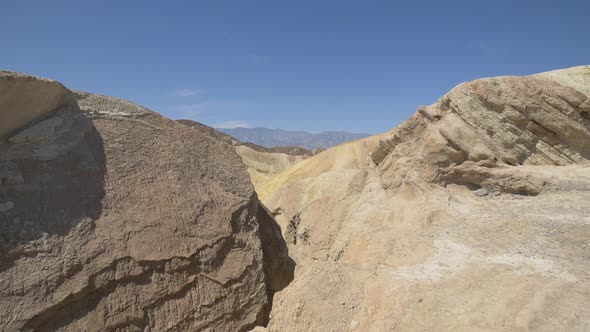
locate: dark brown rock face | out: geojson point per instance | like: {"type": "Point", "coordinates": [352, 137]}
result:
{"type": "Point", "coordinates": [114, 218]}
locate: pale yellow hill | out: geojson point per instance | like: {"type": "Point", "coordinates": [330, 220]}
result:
{"type": "Point", "coordinates": [264, 166]}
{"type": "Point", "coordinates": [348, 156]}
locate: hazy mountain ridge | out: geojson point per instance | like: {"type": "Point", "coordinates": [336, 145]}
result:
{"type": "Point", "coordinates": [278, 137]}
{"type": "Point", "coordinates": [290, 150]}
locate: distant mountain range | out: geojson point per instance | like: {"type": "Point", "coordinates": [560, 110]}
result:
{"type": "Point", "coordinates": [290, 150]}
{"type": "Point", "coordinates": [277, 137]}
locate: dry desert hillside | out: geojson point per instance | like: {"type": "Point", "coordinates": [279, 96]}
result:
{"type": "Point", "coordinates": [472, 215]}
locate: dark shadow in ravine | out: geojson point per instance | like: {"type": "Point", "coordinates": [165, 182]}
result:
{"type": "Point", "coordinates": [279, 267]}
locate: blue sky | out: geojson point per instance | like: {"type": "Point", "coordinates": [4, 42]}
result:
{"type": "Point", "coordinates": [361, 66]}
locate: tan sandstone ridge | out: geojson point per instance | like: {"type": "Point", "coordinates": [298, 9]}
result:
{"type": "Point", "coordinates": [114, 218]}
{"type": "Point", "coordinates": [472, 215]}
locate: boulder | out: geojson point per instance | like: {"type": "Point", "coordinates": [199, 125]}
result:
{"type": "Point", "coordinates": [115, 218]}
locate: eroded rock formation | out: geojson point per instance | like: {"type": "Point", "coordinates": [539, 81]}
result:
{"type": "Point", "coordinates": [481, 125]}
{"type": "Point", "coordinates": [470, 216]}
{"type": "Point", "coordinates": [114, 218]}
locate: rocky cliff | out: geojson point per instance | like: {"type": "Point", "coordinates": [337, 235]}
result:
{"type": "Point", "coordinates": [470, 216]}
{"type": "Point", "coordinates": [481, 126]}
{"type": "Point", "coordinates": [114, 218]}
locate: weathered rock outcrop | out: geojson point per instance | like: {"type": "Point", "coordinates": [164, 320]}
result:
{"type": "Point", "coordinates": [471, 216]}
{"type": "Point", "coordinates": [114, 218]}
{"type": "Point", "coordinates": [24, 98]}
{"type": "Point", "coordinates": [489, 123]}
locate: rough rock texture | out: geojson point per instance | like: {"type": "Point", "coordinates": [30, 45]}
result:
{"type": "Point", "coordinates": [471, 216]}
{"type": "Point", "coordinates": [210, 131]}
{"type": "Point", "coordinates": [24, 98]}
{"type": "Point", "coordinates": [263, 164]}
{"type": "Point", "coordinates": [488, 123]}
{"type": "Point", "coordinates": [114, 218]}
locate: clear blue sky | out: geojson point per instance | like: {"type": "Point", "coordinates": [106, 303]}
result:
{"type": "Point", "coordinates": [360, 66]}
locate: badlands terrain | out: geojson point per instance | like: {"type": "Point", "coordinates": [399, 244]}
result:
{"type": "Point", "coordinates": [472, 215]}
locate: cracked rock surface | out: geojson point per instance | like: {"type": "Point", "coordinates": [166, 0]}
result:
{"type": "Point", "coordinates": [114, 218]}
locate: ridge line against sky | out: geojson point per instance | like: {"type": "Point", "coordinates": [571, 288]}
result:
{"type": "Point", "coordinates": [306, 65]}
